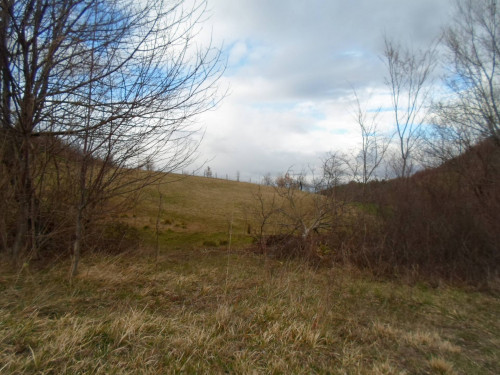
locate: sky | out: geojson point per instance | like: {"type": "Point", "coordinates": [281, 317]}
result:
{"type": "Point", "coordinates": [292, 66]}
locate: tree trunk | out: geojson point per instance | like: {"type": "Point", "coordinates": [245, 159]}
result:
{"type": "Point", "coordinates": [23, 188]}
{"type": "Point", "coordinates": [77, 243]}
{"type": "Point", "coordinates": [21, 229]}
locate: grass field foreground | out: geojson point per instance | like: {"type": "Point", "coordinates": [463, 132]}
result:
{"type": "Point", "coordinates": [189, 305]}
{"type": "Point", "coordinates": [210, 311]}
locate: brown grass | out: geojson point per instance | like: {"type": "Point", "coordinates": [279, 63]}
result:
{"type": "Point", "coordinates": [128, 314]}
{"type": "Point", "coordinates": [202, 204]}
{"type": "Point", "coordinates": [196, 211]}
{"type": "Point", "coordinates": [198, 308]}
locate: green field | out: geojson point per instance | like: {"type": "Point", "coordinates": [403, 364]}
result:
{"type": "Point", "coordinates": [197, 307]}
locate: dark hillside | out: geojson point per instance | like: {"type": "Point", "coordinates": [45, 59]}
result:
{"type": "Point", "coordinates": [442, 221]}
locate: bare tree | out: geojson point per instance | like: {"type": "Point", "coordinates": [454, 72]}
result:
{"type": "Point", "coordinates": [267, 179]}
{"type": "Point", "coordinates": [301, 213]}
{"type": "Point", "coordinates": [473, 45]}
{"type": "Point", "coordinates": [470, 114]}
{"type": "Point", "coordinates": [296, 221]}
{"type": "Point", "coordinates": [373, 145]}
{"type": "Point", "coordinates": [263, 212]}
{"type": "Point", "coordinates": [335, 172]}
{"type": "Point", "coordinates": [115, 81]}
{"type": "Point", "coordinates": [408, 78]}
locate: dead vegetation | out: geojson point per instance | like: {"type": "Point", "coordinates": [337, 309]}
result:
{"type": "Point", "coordinates": [214, 312]}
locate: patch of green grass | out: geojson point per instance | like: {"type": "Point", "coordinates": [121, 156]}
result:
{"type": "Point", "coordinates": [369, 208]}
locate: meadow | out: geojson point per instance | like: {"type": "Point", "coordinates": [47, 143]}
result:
{"type": "Point", "coordinates": [193, 297]}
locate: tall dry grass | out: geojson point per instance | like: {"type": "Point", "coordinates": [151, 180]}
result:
{"type": "Point", "coordinates": [182, 314]}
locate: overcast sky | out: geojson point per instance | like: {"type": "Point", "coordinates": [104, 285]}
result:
{"type": "Point", "coordinates": [292, 65]}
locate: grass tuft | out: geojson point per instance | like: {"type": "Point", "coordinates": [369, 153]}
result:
{"type": "Point", "coordinates": [441, 366]}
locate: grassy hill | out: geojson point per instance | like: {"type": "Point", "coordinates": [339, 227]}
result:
{"type": "Point", "coordinates": [199, 308]}
{"type": "Point", "coordinates": [196, 210]}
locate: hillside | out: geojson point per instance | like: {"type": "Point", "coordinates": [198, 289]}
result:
{"type": "Point", "coordinates": [442, 222]}
{"type": "Point", "coordinates": [194, 211]}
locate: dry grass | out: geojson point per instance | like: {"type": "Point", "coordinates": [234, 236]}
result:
{"type": "Point", "coordinates": [201, 309]}
{"type": "Point", "coordinates": [128, 314]}
{"type": "Point", "coordinates": [195, 209]}
{"type": "Point", "coordinates": [196, 212]}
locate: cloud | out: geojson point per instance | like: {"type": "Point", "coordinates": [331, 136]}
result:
{"type": "Point", "coordinates": [292, 66]}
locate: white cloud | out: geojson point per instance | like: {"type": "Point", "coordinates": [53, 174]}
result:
{"type": "Point", "coordinates": [291, 69]}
